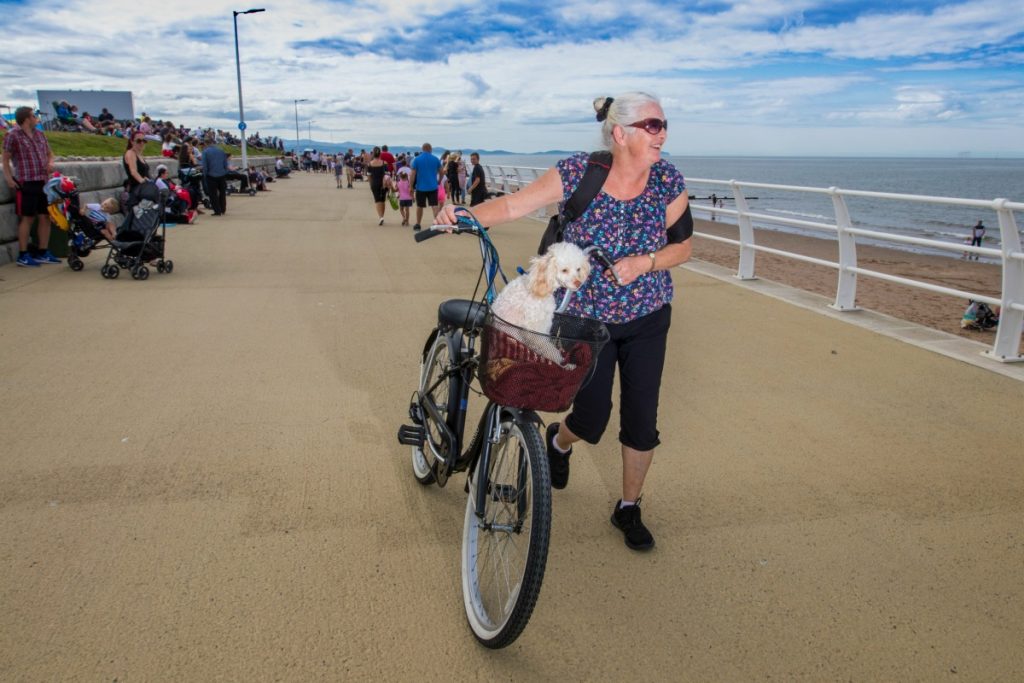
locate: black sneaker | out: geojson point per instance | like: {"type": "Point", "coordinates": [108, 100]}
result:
{"type": "Point", "coordinates": [416, 227]}
{"type": "Point", "coordinates": [558, 463]}
{"type": "Point", "coordinates": [628, 520]}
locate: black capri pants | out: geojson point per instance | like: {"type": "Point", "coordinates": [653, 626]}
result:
{"type": "Point", "coordinates": [638, 349]}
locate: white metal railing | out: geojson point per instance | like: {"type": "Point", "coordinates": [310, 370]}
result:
{"type": "Point", "coordinates": [1005, 348]}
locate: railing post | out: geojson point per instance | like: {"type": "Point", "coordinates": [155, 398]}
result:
{"type": "Point", "coordinates": [747, 252]}
{"type": "Point", "coordinates": [1007, 343]}
{"type": "Point", "coordinates": [846, 290]}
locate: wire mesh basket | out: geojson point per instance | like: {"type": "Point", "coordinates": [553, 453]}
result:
{"type": "Point", "coordinates": [521, 368]}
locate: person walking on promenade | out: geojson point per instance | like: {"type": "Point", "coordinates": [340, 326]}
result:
{"type": "Point", "coordinates": [215, 170]}
{"type": "Point", "coordinates": [977, 235]}
{"type": "Point", "coordinates": [379, 182]}
{"type": "Point", "coordinates": [478, 184]}
{"type": "Point", "coordinates": [404, 193]}
{"type": "Point", "coordinates": [451, 172]}
{"type": "Point", "coordinates": [32, 158]}
{"type": "Point", "coordinates": [426, 173]}
{"type": "Point", "coordinates": [641, 196]}
{"type": "Point", "coordinates": [388, 158]}
{"type": "Point", "coordinates": [461, 172]}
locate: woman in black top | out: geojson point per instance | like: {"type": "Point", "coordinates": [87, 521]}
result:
{"type": "Point", "coordinates": [134, 165]}
{"type": "Point", "coordinates": [452, 172]}
{"type": "Point", "coordinates": [379, 183]}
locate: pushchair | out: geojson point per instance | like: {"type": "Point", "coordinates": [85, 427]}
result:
{"type": "Point", "coordinates": [142, 238]}
{"type": "Point", "coordinates": [192, 180]}
{"type": "Point", "coordinates": [65, 209]}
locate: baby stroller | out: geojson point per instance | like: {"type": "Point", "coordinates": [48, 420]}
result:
{"type": "Point", "coordinates": [192, 180]}
{"type": "Point", "coordinates": [65, 213]}
{"type": "Point", "coordinates": [142, 237]}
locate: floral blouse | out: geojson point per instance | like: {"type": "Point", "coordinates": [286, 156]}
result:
{"type": "Point", "coordinates": [622, 228]}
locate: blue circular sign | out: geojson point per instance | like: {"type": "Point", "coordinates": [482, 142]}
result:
{"type": "Point", "coordinates": [241, 125]}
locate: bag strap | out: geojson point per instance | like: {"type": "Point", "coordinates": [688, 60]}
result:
{"type": "Point", "coordinates": [598, 166]}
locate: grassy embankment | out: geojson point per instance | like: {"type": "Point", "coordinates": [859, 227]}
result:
{"type": "Point", "coordinates": [87, 145]}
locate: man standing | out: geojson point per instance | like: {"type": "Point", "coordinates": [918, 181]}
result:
{"type": "Point", "coordinates": [33, 162]}
{"type": "Point", "coordinates": [478, 184]}
{"type": "Point", "coordinates": [426, 169]}
{"type": "Point", "coordinates": [215, 170]}
{"type": "Point", "coordinates": [977, 235]}
{"type": "Point", "coordinates": [388, 158]}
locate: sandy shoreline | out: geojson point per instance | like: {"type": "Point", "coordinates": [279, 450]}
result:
{"type": "Point", "coordinates": [936, 311]}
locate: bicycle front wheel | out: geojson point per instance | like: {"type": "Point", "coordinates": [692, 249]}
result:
{"type": "Point", "coordinates": [505, 550]}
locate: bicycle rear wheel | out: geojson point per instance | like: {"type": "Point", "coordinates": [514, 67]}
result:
{"type": "Point", "coordinates": [505, 553]}
{"type": "Point", "coordinates": [436, 363]}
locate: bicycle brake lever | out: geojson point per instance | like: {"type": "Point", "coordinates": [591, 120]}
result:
{"type": "Point", "coordinates": [602, 258]}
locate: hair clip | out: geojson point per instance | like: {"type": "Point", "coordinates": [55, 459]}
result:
{"type": "Point", "coordinates": [602, 114]}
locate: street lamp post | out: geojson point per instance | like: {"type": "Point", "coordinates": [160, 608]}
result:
{"type": "Point", "coordinates": [297, 124]}
{"type": "Point", "coordinates": [238, 73]}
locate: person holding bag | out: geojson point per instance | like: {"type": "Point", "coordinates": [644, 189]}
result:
{"type": "Point", "coordinates": [627, 215]}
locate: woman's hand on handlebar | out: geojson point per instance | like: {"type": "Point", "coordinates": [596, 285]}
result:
{"type": "Point", "coordinates": [446, 216]}
{"type": "Point", "coordinates": [629, 268]}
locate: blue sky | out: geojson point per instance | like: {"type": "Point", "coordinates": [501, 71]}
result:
{"type": "Point", "coordinates": [761, 77]}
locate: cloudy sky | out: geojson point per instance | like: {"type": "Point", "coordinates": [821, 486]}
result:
{"type": "Point", "coordinates": [761, 77]}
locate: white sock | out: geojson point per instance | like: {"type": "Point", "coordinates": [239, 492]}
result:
{"type": "Point", "coordinates": [627, 504]}
{"type": "Point", "coordinates": [554, 442]}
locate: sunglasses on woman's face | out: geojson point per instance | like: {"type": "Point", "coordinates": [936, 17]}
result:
{"type": "Point", "coordinates": [138, 140]}
{"type": "Point", "coordinates": [652, 126]}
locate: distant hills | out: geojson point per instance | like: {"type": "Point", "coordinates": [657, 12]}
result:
{"type": "Point", "coordinates": [335, 147]}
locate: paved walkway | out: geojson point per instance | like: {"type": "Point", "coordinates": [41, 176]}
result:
{"type": "Point", "coordinates": [201, 481]}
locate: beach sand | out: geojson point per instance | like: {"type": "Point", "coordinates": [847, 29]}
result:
{"type": "Point", "coordinates": [936, 311]}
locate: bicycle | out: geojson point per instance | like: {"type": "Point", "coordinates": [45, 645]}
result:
{"type": "Point", "coordinates": [507, 523]}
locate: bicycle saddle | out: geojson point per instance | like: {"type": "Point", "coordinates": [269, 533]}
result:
{"type": "Point", "coordinates": [461, 313]}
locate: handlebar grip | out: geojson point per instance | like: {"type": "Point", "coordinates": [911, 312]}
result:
{"type": "Point", "coordinates": [426, 234]}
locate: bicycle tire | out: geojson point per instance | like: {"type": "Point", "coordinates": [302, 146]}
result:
{"type": "Point", "coordinates": [436, 361]}
{"type": "Point", "coordinates": [498, 611]}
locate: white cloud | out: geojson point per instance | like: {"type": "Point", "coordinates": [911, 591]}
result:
{"type": "Point", "coordinates": [753, 64]}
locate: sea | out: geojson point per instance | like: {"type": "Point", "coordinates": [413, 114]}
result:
{"type": "Point", "coordinates": [970, 178]}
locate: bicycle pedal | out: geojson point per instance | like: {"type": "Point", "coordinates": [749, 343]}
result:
{"type": "Point", "coordinates": [411, 435]}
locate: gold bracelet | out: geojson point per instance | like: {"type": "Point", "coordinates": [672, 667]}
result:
{"type": "Point", "coordinates": [652, 262]}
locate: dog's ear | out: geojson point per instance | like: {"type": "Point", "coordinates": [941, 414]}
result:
{"type": "Point", "coordinates": [542, 276]}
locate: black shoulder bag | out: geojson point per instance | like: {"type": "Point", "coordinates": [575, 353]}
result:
{"type": "Point", "coordinates": [593, 179]}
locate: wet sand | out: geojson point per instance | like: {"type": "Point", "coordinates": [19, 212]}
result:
{"type": "Point", "coordinates": [937, 311]}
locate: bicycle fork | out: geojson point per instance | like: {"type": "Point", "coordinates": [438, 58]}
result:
{"type": "Point", "coordinates": [497, 492]}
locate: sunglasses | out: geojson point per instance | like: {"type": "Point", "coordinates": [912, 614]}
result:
{"type": "Point", "coordinates": [138, 140]}
{"type": "Point", "coordinates": [652, 126]}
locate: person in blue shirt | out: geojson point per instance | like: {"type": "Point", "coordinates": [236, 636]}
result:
{"type": "Point", "coordinates": [426, 171]}
{"type": "Point", "coordinates": [215, 171]}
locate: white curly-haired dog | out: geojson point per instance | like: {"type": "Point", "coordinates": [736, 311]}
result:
{"type": "Point", "coordinates": [529, 300]}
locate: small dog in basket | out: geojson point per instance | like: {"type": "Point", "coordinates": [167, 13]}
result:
{"type": "Point", "coordinates": [529, 300]}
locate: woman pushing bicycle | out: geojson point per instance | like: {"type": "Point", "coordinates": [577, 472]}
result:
{"type": "Point", "coordinates": [641, 195]}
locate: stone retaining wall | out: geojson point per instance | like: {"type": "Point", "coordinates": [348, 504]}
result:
{"type": "Point", "coordinates": [96, 179]}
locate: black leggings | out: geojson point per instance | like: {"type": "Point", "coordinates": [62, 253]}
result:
{"type": "Point", "coordinates": [638, 347]}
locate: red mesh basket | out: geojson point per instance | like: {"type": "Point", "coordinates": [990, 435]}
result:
{"type": "Point", "coordinates": [525, 369]}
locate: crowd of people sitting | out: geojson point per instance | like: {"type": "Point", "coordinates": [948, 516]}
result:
{"type": "Point", "coordinates": [68, 119]}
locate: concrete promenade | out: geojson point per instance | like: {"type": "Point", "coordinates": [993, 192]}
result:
{"type": "Point", "coordinates": [200, 481]}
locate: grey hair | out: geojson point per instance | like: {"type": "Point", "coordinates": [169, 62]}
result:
{"type": "Point", "coordinates": [624, 110]}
